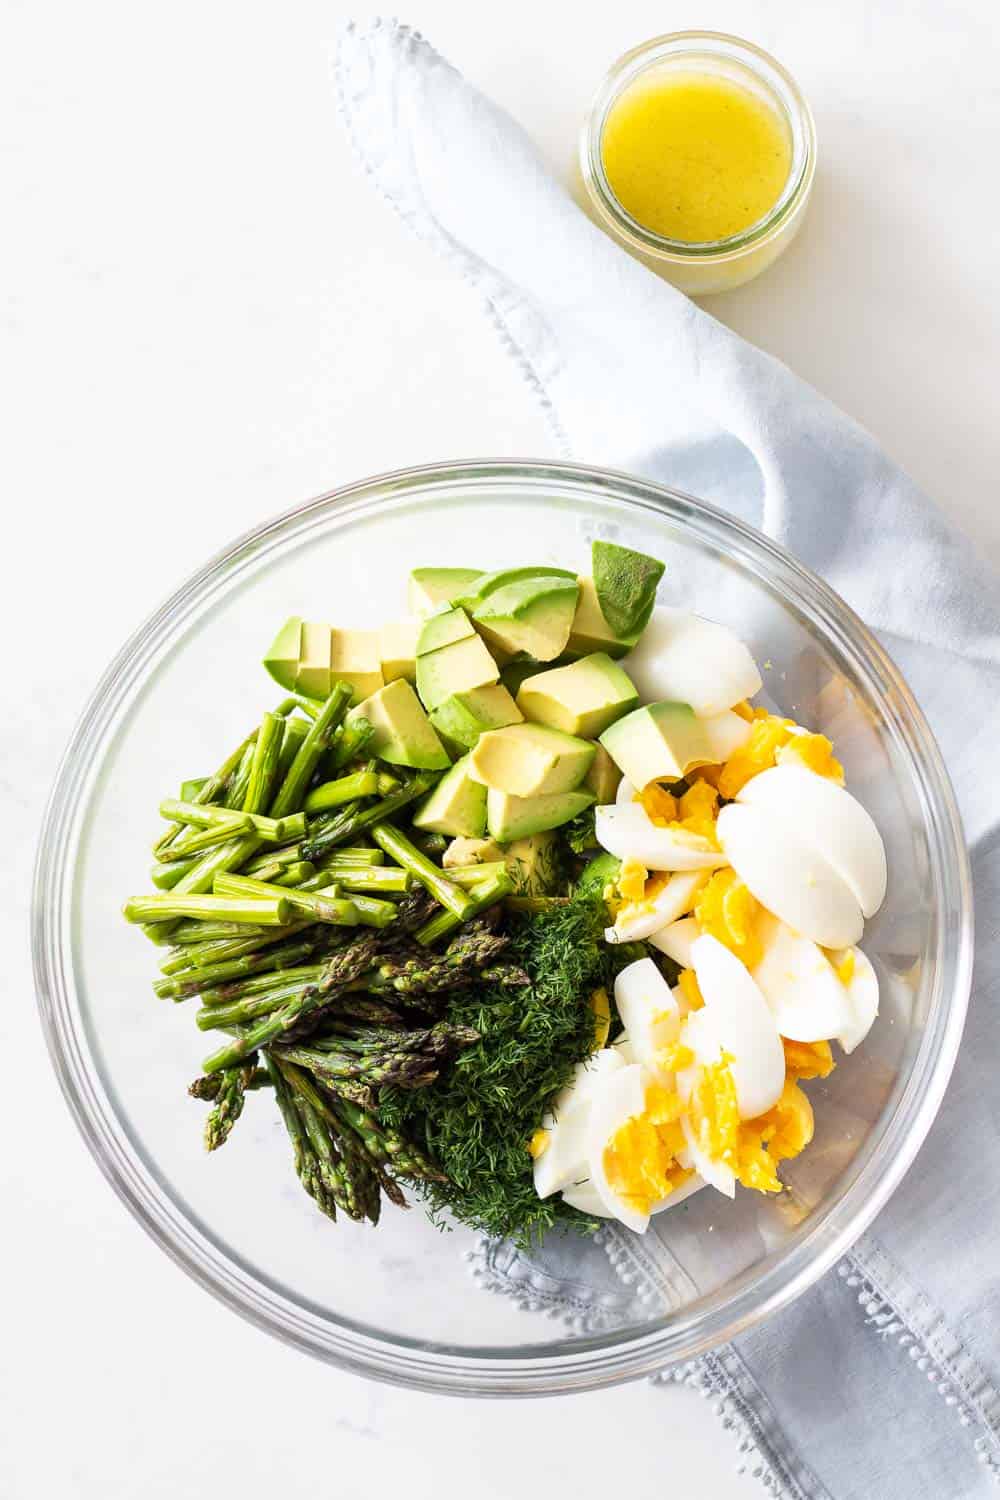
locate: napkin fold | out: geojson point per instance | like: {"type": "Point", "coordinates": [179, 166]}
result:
{"type": "Point", "coordinates": [884, 1379]}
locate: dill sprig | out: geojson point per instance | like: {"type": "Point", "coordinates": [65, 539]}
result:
{"type": "Point", "coordinates": [477, 1122]}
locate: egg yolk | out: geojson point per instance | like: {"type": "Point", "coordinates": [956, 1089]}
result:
{"type": "Point", "coordinates": [815, 753]}
{"type": "Point", "coordinates": [808, 1059]}
{"type": "Point", "coordinates": [640, 1159]}
{"type": "Point", "coordinates": [743, 710]}
{"type": "Point", "coordinates": [694, 812]}
{"type": "Point", "coordinates": [751, 1148]}
{"type": "Point", "coordinates": [538, 1144]}
{"type": "Point", "coordinates": [632, 880]}
{"type": "Point", "coordinates": [688, 982]}
{"type": "Point", "coordinates": [727, 911]}
{"type": "Point", "coordinates": [767, 736]}
{"type": "Point", "coordinates": [674, 1057]}
{"type": "Point", "coordinates": [845, 969]}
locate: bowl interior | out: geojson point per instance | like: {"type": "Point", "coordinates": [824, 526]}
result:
{"type": "Point", "coordinates": [399, 1301]}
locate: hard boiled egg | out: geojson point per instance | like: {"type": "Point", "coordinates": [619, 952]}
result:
{"type": "Point", "coordinates": [743, 1024]}
{"type": "Point", "coordinates": [804, 994]}
{"type": "Point", "coordinates": [637, 920]}
{"type": "Point", "coordinates": [585, 1197]}
{"type": "Point", "coordinates": [835, 822]}
{"type": "Point", "coordinates": [789, 876]}
{"type": "Point", "coordinates": [648, 1011]}
{"type": "Point", "coordinates": [677, 941]}
{"type": "Point", "coordinates": [684, 658]}
{"type": "Point", "coordinates": [621, 1098]}
{"type": "Point", "coordinates": [862, 990]}
{"type": "Point", "coordinates": [562, 1159]}
{"type": "Point", "coordinates": [727, 733]}
{"type": "Point", "coordinates": [627, 831]}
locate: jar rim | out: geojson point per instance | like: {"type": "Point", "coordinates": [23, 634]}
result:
{"type": "Point", "coordinates": [784, 92]}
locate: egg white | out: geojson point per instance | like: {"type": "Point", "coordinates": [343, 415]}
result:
{"type": "Point", "coordinates": [684, 658]}
{"type": "Point", "coordinates": [641, 919]}
{"type": "Point", "coordinates": [628, 832]}
{"type": "Point", "coordinates": [802, 990]}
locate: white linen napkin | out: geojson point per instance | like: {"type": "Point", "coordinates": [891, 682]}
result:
{"type": "Point", "coordinates": [884, 1380]}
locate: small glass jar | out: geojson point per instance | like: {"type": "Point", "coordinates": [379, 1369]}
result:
{"type": "Point", "coordinates": [715, 265]}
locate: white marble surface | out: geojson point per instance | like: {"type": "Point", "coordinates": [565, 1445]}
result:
{"type": "Point", "coordinates": [208, 317]}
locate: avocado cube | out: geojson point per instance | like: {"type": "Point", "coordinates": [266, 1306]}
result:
{"type": "Point", "coordinates": [443, 629]}
{"type": "Point", "coordinates": [403, 734]}
{"type": "Point", "coordinates": [583, 698]}
{"type": "Point", "coordinates": [397, 649]}
{"type": "Point", "coordinates": [509, 817]}
{"type": "Point", "coordinates": [603, 778]}
{"type": "Point", "coordinates": [313, 675]}
{"type": "Point", "coordinates": [282, 656]}
{"type": "Point", "coordinates": [534, 864]}
{"type": "Point", "coordinates": [456, 806]}
{"type": "Point", "coordinates": [590, 630]}
{"type": "Point", "coordinates": [354, 659]}
{"type": "Point", "coordinates": [518, 671]}
{"type": "Point", "coordinates": [463, 717]}
{"type": "Point", "coordinates": [456, 668]}
{"type": "Point", "coordinates": [659, 742]}
{"type": "Point", "coordinates": [530, 760]}
{"type": "Point", "coordinates": [534, 615]}
{"type": "Point", "coordinates": [488, 583]}
{"type": "Point", "coordinates": [429, 588]}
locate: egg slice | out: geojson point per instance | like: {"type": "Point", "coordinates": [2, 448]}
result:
{"type": "Point", "coordinates": [701, 1035]}
{"type": "Point", "coordinates": [648, 1011]}
{"type": "Point", "coordinates": [744, 1025]}
{"type": "Point", "coordinates": [637, 920]}
{"type": "Point", "coordinates": [694, 1184]}
{"type": "Point", "coordinates": [621, 1098]}
{"type": "Point", "coordinates": [727, 733]}
{"type": "Point", "coordinates": [684, 658]}
{"type": "Point", "coordinates": [789, 877]}
{"type": "Point", "coordinates": [801, 987]}
{"type": "Point", "coordinates": [563, 1157]}
{"type": "Point", "coordinates": [626, 793]}
{"type": "Point", "coordinates": [835, 821]}
{"type": "Point", "coordinates": [585, 1197]}
{"type": "Point", "coordinates": [677, 941]}
{"type": "Point", "coordinates": [862, 990]}
{"type": "Point", "coordinates": [627, 831]}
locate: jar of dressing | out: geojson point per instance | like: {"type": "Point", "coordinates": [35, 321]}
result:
{"type": "Point", "coordinates": [698, 155]}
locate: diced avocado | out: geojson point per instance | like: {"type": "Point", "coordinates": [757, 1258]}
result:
{"type": "Point", "coordinates": [456, 806]}
{"type": "Point", "coordinates": [457, 668]}
{"type": "Point", "coordinates": [509, 817]}
{"type": "Point", "coordinates": [531, 760]}
{"type": "Point", "coordinates": [403, 734]}
{"type": "Point", "coordinates": [463, 717]}
{"type": "Point", "coordinates": [430, 587]}
{"type": "Point", "coordinates": [591, 631]}
{"type": "Point", "coordinates": [533, 616]}
{"type": "Point", "coordinates": [462, 852]}
{"type": "Point", "coordinates": [313, 676]}
{"type": "Point", "coordinates": [626, 585]}
{"type": "Point", "coordinates": [603, 778]}
{"type": "Point", "coordinates": [282, 656]}
{"type": "Point", "coordinates": [443, 629]}
{"type": "Point", "coordinates": [397, 649]}
{"type": "Point", "coordinates": [518, 671]}
{"type": "Point", "coordinates": [601, 872]}
{"type": "Point", "coordinates": [583, 698]}
{"type": "Point", "coordinates": [488, 583]}
{"type": "Point", "coordinates": [534, 864]}
{"type": "Point", "coordinates": [354, 659]}
{"type": "Point", "coordinates": [660, 742]}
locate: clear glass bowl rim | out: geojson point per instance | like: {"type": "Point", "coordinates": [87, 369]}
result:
{"type": "Point", "coordinates": [789, 206]}
{"type": "Point", "coordinates": [564, 1364]}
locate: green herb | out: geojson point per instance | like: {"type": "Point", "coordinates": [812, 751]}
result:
{"type": "Point", "coordinates": [477, 1121]}
{"type": "Point", "coordinates": [626, 586]}
{"type": "Point", "coordinates": [579, 832]}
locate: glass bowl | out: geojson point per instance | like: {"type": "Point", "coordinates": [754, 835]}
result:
{"type": "Point", "coordinates": [398, 1303]}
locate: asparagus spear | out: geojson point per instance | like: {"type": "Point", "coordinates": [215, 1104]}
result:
{"type": "Point", "coordinates": [166, 876]}
{"type": "Point", "coordinates": [236, 789]}
{"type": "Point", "coordinates": [349, 742]}
{"type": "Point", "coordinates": [348, 823]}
{"type": "Point", "coordinates": [293, 789]}
{"type": "Point", "coordinates": [208, 1088]}
{"type": "Point", "coordinates": [483, 896]}
{"type": "Point", "coordinates": [264, 766]}
{"type": "Point", "coordinates": [227, 856]}
{"type": "Point", "coordinates": [407, 855]}
{"type": "Point", "coordinates": [308, 1164]}
{"type": "Point", "coordinates": [341, 970]}
{"type": "Point", "coordinates": [370, 879]}
{"type": "Point", "coordinates": [192, 981]}
{"type": "Point", "coordinates": [212, 788]}
{"type": "Point", "coordinates": [344, 789]}
{"type": "Point", "coordinates": [322, 906]}
{"type": "Point", "coordinates": [475, 948]}
{"type": "Point", "coordinates": [354, 1183]}
{"type": "Point", "coordinates": [228, 1104]}
{"type": "Point", "coordinates": [259, 984]}
{"type": "Point", "coordinates": [387, 1145]}
{"type": "Point", "coordinates": [276, 830]}
{"type": "Point", "coordinates": [196, 841]}
{"type": "Point", "coordinates": [264, 911]}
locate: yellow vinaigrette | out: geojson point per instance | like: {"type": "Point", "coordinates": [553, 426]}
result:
{"type": "Point", "coordinates": [694, 156]}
